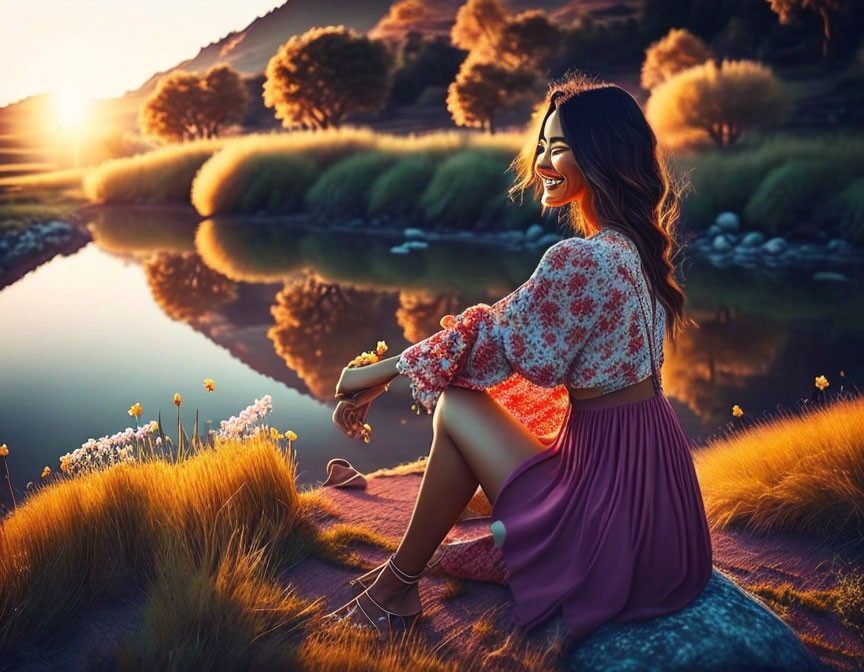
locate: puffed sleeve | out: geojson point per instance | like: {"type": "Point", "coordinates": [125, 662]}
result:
{"type": "Point", "coordinates": [534, 331]}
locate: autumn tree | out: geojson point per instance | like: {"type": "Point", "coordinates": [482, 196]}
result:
{"type": "Point", "coordinates": [185, 287]}
{"type": "Point", "coordinates": [528, 38]}
{"type": "Point", "coordinates": [828, 10]}
{"type": "Point", "coordinates": [187, 105]}
{"type": "Point", "coordinates": [482, 90]}
{"type": "Point", "coordinates": [478, 28]}
{"type": "Point", "coordinates": [678, 50]}
{"type": "Point", "coordinates": [318, 78]}
{"type": "Point", "coordinates": [401, 16]}
{"type": "Point", "coordinates": [717, 102]}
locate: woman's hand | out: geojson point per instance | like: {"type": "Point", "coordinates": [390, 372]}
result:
{"type": "Point", "coordinates": [359, 378]}
{"type": "Point", "coordinates": [349, 417]}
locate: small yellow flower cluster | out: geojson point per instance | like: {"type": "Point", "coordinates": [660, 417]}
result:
{"type": "Point", "coordinates": [64, 462]}
{"type": "Point", "coordinates": [177, 400]}
{"type": "Point", "coordinates": [370, 357]}
{"type": "Point", "coordinates": [821, 382]}
{"type": "Point", "coordinates": [135, 410]}
{"type": "Point", "coordinates": [4, 451]}
{"type": "Point", "coordinates": [366, 432]}
{"type": "Point", "coordinates": [209, 384]}
{"type": "Point", "coordinates": [46, 471]}
{"type": "Point", "coordinates": [276, 436]}
{"type": "Point", "coordinates": [736, 411]}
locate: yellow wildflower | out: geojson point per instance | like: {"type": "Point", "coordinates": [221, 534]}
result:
{"type": "Point", "coordinates": [367, 427]}
{"type": "Point", "coordinates": [177, 399]}
{"type": "Point", "coordinates": [152, 426]}
{"type": "Point", "coordinates": [821, 382]}
{"type": "Point", "coordinates": [4, 451]}
{"type": "Point", "coordinates": [291, 436]}
{"type": "Point", "coordinates": [209, 384]}
{"type": "Point", "coordinates": [382, 348]}
{"type": "Point", "coordinates": [46, 471]}
{"type": "Point", "coordinates": [64, 462]}
{"type": "Point", "coordinates": [274, 433]}
{"type": "Point", "coordinates": [736, 411]}
{"type": "Point", "coordinates": [135, 410]}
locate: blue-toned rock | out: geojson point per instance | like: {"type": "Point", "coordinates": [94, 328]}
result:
{"type": "Point", "coordinates": [829, 276]}
{"type": "Point", "coordinates": [775, 246]}
{"type": "Point", "coordinates": [713, 230]}
{"type": "Point", "coordinates": [721, 244]}
{"type": "Point", "coordinates": [838, 246]}
{"type": "Point", "coordinates": [753, 239]}
{"type": "Point", "coordinates": [727, 221]}
{"type": "Point", "coordinates": [415, 244]}
{"type": "Point", "coordinates": [414, 234]}
{"type": "Point", "coordinates": [723, 629]}
{"type": "Point", "coordinates": [533, 232]}
{"type": "Point", "coordinates": [399, 249]}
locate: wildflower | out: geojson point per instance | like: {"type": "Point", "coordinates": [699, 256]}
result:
{"type": "Point", "coordinates": [135, 410]}
{"type": "Point", "coordinates": [158, 440]}
{"type": "Point", "coordinates": [736, 411]}
{"type": "Point", "coordinates": [821, 382]}
{"type": "Point", "coordinates": [46, 471]}
{"type": "Point", "coordinates": [152, 426]}
{"type": "Point", "coordinates": [209, 384]}
{"type": "Point", "coordinates": [4, 451]}
{"type": "Point", "coordinates": [64, 462]}
{"type": "Point", "coordinates": [367, 427]}
{"type": "Point", "coordinates": [177, 400]}
{"type": "Point", "coordinates": [381, 348]}
{"type": "Point", "coordinates": [291, 436]}
{"type": "Point", "coordinates": [274, 434]}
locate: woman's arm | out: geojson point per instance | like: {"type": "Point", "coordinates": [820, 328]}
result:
{"type": "Point", "coordinates": [361, 377]}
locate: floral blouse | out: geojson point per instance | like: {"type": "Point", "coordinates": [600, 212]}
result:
{"type": "Point", "coordinates": [575, 321]}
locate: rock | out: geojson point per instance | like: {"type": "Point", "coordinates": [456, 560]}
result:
{"type": "Point", "coordinates": [399, 249]}
{"type": "Point", "coordinates": [720, 260]}
{"type": "Point", "coordinates": [775, 246]}
{"type": "Point", "coordinates": [533, 232]}
{"type": "Point", "coordinates": [548, 239]}
{"type": "Point", "coordinates": [713, 231]}
{"type": "Point", "coordinates": [838, 245]}
{"type": "Point", "coordinates": [511, 236]}
{"type": "Point", "coordinates": [829, 276]}
{"type": "Point", "coordinates": [727, 221]}
{"type": "Point", "coordinates": [753, 239]}
{"type": "Point", "coordinates": [810, 252]}
{"type": "Point", "coordinates": [413, 234]}
{"type": "Point", "coordinates": [357, 222]}
{"type": "Point", "coordinates": [724, 628]}
{"type": "Point", "coordinates": [415, 244]}
{"type": "Point", "coordinates": [721, 244]}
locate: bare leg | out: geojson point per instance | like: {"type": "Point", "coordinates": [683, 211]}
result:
{"type": "Point", "coordinates": [476, 441]}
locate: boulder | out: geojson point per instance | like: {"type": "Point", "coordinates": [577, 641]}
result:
{"type": "Point", "coordinates": [829, 276]}
{"type": "Point", "coordinates": [533, 232]}
{"type": "Point", "coordinates": [838, 245]}
{"type": "Point", "coordinates": [414, 234]}
{"type": "Point", "coordinates": [724, 628]}
{"type": "Point", "coordinates": [415, 244]}
{"type": "Point", "coordinates": [399, 249]}
{"type": "Point", "coordinates": [713, 230]}
{"type": "Point", "coordinates": [753, 239]}
{"type": "Point", "coordinates": [775, 246]}
{"type": "Point", "coordinates": [727, 221]}
{"type": "Point", "coordinates": [721, 244]}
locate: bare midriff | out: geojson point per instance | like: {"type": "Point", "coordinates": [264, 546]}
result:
{"type": "Point", "coordinates": [641, 390]}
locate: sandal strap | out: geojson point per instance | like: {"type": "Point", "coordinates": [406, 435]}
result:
{"type": "Point", "coordinates": [368, 617]}
{"type": "Point", "coordinates": [404, 577]}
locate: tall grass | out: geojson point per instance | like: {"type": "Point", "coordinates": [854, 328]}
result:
{"type": "Point", "coordinates": [727, 180]}
{"type": "Point", "coordinates": [790, 474]}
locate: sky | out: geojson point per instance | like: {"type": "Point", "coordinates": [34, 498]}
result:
{"type": "Point", "coordinates": [103, 48]}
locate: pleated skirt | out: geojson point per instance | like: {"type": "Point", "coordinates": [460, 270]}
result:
{"type": "Point", "coordinates": [608, 523]}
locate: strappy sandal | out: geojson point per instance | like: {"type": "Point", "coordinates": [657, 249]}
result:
{"type": "Point", "coordinates": [341, 474]}
{"type": "Point", "coordinates": [387, 624]}
{"type": "Point", "coordinates": [373, 573]}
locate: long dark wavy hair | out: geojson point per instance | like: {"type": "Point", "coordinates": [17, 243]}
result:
{"type": "Point", "coordinates": [630, 188]}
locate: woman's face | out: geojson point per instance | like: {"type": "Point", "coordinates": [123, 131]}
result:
{"type": "Point", "coordinates": [556, 166]}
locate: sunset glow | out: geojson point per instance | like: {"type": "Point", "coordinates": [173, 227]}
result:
{"type": "Point", "coordinates": [71, 106]}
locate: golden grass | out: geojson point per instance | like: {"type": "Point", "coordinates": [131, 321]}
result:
{"type": "Point", "coordinates": [796, 474]}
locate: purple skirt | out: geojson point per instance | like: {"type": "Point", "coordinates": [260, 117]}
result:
{"type": "Point", "coordinates": [608, 523]}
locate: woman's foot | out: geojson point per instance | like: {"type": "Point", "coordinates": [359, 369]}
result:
{"type": "Point", "coordinates": [392, 591]}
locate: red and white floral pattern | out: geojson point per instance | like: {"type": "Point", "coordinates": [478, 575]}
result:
{"type": "Point", "coordinates": [576, 320]}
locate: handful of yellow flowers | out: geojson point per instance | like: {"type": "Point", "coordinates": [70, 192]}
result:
{"type": "Point", "coordinates": [352, 409]}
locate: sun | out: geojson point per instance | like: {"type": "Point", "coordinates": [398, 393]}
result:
{"type": "Point", "coordinates": [70, 106]}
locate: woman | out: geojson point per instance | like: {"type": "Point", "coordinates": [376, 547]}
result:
{"type": "Point", "coordinates": [606, 522]}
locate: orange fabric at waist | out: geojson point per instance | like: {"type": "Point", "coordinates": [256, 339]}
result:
{"type": "Point", "coordinates": [644, 389]}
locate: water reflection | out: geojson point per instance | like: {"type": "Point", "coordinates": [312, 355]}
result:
{"type": "Point", "coordinates": [290, 306]}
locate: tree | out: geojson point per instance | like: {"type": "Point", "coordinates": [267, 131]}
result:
{"type": "Point", "coordinates": [678, 50]}
{"type": "Point", "coordinates": [478, 28]}
{"type": "Point", "coordinates": [320, 77]}
{"type": "Point", "coordinates": [720, 102]}
{"type": "Point", "coordinates": [528, 38]}
{"type": "Point", "coordinates": [187, 105]}
{"type": "Point", "coordinates": [827, 9]}
{"type": "Point", "coordinates": [481, 90]}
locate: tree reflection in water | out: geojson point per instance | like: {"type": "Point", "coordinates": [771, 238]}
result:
{"type": "Point", "coordinates": [420, 312]}
{"type": "Point", "coordinates": [185, 287]}
{"type": "Point", "coordinates": [320, 327]}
